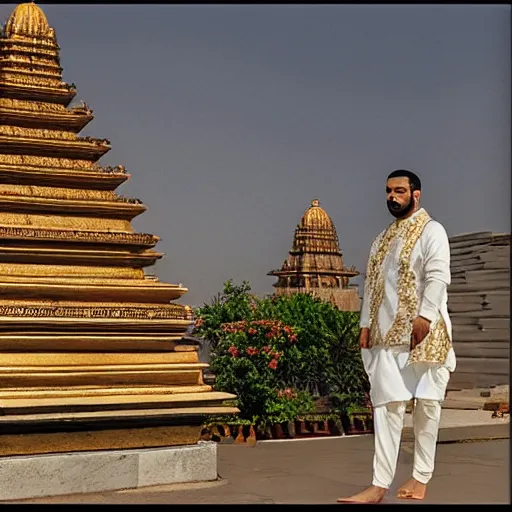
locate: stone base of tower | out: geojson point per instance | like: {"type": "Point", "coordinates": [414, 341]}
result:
{"type": "Point", "coordinates": [92, 376]}
{"type": "Point", "coordinates": [88, 472]}
{"type": "Point", "coordinates": [38, 434]}
{"type": "Point", "coordinates": [345, 299]}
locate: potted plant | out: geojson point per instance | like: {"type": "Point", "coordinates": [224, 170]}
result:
{"type": "Point", "coordinates": [355, 412]}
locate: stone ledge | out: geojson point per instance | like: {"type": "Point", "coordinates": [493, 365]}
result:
{"type": "Point", "coordinates": [23, 477]}
{"type": "Point", "coordinates": [466, 433]}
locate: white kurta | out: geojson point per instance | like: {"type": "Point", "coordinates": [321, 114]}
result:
{"type": "Point", "coordinates": [391, 378]}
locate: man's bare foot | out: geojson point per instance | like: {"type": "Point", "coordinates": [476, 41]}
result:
{"type": "Point", "coordinates": [412, 490]}
{"type": "Point", "coordinates": [372, 494]}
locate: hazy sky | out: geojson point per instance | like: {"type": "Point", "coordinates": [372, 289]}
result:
{"type": "Point", "coordinates": [231, 118]}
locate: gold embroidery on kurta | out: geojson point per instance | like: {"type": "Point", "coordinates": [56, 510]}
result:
{"type": "Point", "coordinates": [408, 232]}
{"type": "Point", "coordinates": [434, 347]}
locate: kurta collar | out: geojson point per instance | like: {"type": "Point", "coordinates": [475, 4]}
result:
{"type": "Point", "coordinates": [412, 217]}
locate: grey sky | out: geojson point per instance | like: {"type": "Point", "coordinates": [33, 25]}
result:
{"type": "Point", "coordinates": [232, 118]}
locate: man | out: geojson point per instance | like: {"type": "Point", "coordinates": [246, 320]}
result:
{"type": "Point", "coordinates": [405, 336]}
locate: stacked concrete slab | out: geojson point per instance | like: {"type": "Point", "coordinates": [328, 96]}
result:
{"type": "Point", "coordinates": [479, 306]}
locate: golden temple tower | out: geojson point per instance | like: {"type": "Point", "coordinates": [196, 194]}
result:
{"type": "Point", "coordinates": [91, 348]}
{"type": "Point", "coordinates": [315, 264]}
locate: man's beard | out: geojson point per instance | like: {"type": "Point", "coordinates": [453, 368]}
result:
{"type": "Point", "coordinates": [398, 210]}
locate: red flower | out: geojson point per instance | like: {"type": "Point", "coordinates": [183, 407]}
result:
{"type": "Point", "coordinates": [292, 338]}
{"type": "Point", "coordinates": [252, 351]}
{"type": "Point", "coordinates": [252, 331]}
{"type": "Point", "coordinates": [273, 364]}
{"type": "Point", "coordinates": [234, 351]}
{"type": "Point", "coordinates": [270, 335]}
{"type": "Point", "coordinates": [266, 349]}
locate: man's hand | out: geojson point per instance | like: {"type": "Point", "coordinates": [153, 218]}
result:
{"type": "Point", "coordinates": [420, 328]}
{"type": "Point", "coordinates": [364, 337]}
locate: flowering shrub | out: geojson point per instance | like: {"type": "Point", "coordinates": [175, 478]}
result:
{"type": "Point", "coordinates": [276, 353]}
{"type": "Point", "coordinates": [234, 304]}
{"type": "Point", "coordinates": [252, 360]}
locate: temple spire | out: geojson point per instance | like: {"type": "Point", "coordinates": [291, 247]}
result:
{"type": "Point", "coordinates": [28, 20]}
{"type": "Point", "coordinates": [87, 336]}
{"type": "Point", "coordinates": [315, 264]}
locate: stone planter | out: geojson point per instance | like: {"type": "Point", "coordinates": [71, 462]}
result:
{"type": "Point", "coordinates": [334, 428]}
{"type": "Point", "coordinates": [278, 431]}
{"type": "Point", "coordinates": [290, 429]}
{"type": "Point", "coordinates": [226, 434]}
{"type": "Point", "coordinates": [357, 423]}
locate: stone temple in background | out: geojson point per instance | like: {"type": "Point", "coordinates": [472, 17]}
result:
{"type": "Point", "coordinates": [91, 347]}
{"type": "Point", "coordinates": [315, 264]}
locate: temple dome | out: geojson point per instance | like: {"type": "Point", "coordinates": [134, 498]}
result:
{"type": "Point", "coordinates": [315, 264]}
{"type": "Point", "coordinates": [315, 217]}
{"type": "Point", "coordinates": [27, 20]}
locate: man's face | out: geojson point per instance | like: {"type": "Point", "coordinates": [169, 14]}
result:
{"type": "Point", "coordinates": [400, 200]}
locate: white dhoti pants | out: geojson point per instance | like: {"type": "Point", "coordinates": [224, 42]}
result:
{"type": "Point", "coordinates": [392, 384]}
{"type": "Point", "coordinates": [388, 423]}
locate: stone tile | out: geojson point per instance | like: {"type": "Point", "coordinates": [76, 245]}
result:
{"type": "Point", "coordinates": [178, 465]}
{"type": "Point", "coordinates": [46, 475]}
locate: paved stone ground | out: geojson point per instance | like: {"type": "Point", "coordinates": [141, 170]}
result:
{"type": "Point", "coordinates": [318, 471]}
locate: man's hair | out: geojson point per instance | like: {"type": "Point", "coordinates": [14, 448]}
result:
{"type": "Point", "coordinates": [414, 180]}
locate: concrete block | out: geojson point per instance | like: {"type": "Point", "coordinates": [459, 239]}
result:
{"type": "Point", "coordinates": [48, 475]}
{"type": "Point", "coordinates": [190, 464]}
{"type": "Point", "coordinates": [23, 477]}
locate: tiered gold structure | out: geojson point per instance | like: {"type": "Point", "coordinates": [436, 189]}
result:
{"type": "Point", "coordinates": [91, 348]}
{"type": "Point", "coordinates": [315, 264]}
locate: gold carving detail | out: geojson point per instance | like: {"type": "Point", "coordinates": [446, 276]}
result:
{"type": "Point", "coordinates": [58, 193]}
{"type": "Point", "coordinates": [37, 133]}
{"type": "Point", "coordinates": [30, 60]}
{"type": "Point", "coordinates": [64, 222]}
{"type": "Point", "coordinates": [33, 47]}
{"type": "Point", "coordinates": [35, 106]}
{"type": "Point", "coordinates": [14, 78]}
{"type": "Point", "coordinates": [21, 269]}
{"type": "Point", "coordinates": [169, 312]}
{"type": "Point", "coordinates": [46, 161]}
{"type": "Point", "coordinates": [28, 20]}
{"type": "Point", "coordinates": [23, 44]}
{"type": "Point", "coordinates": [15, 66]}
{"type": "Point", "coordinates": [78, 236]}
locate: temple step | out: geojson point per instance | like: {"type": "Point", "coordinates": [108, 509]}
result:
{"type": "Point", "coordinates": [51, 361]}
{"type": "Point", "coordinates": [40, 342]}
{"type": "Point", "coordinates": [97, 391]}
{"type": "Point", "coordinates": [95, 179]}
{"type": "Point", "coordinates": [54, 206]}
{"type": "Point", "coordinates": [89, 289]}
{"type": "Point", "coordinates": [90, 150]}
{"type": "Point", "coordinates": [91, 416]}
{"type": "Point", "coordinates": [106, 375]}
{"type": "Point", "coordinates": [66, 255]}
{"type": "Point", "coordinates": [184, 401]}
{"type": "Point", "coordinates": [471, 380]}
{"type": "Point", "coordinates": [98, 368]}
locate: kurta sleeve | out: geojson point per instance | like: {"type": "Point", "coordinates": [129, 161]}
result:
{"type": "Point", "coordinates": [364, 321]}
{"type": "Point", "coordinates": [436, 260]}
{"type": "Point", "coordinates": [364, 317]}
